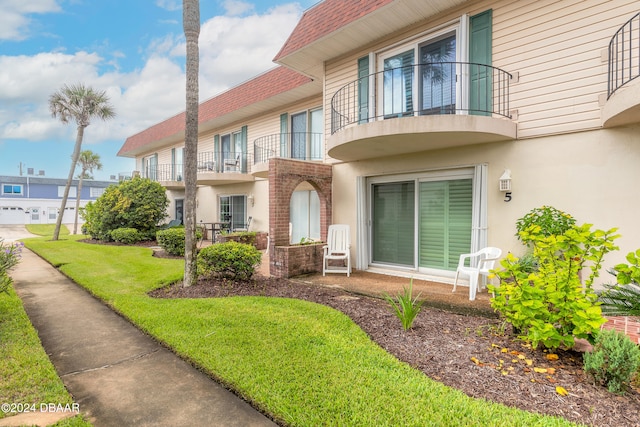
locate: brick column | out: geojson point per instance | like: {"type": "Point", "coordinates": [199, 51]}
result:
{"type": "Point", "coordinates": [284, 176]}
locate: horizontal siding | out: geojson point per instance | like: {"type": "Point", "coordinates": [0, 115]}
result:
{"type": "Point", "coordinates": [555, 47]}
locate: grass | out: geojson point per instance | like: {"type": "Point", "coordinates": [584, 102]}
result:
{"type": "Point", "coordinates": [27, 374]}
{"type": "Point", "coordinates": [302, 363]}
{"type": "Point", "coordinates": [46, 229]}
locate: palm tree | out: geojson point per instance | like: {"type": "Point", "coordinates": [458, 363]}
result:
{"type": "Point", "coordinates": [80, 104]}
{"type": "Point", "coordinates": [88, 162]}
{"type": "Point", "coordinates": [191, 25]}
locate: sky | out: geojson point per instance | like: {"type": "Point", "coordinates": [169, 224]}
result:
{"type": "Point", "coordinates": [134, 51]}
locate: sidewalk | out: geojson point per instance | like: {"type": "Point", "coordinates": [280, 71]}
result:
{"type": "Point", "coordinates": [118, 375]}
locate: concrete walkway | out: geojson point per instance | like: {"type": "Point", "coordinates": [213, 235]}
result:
{"type": "Point", "coordinates": [118, 375]}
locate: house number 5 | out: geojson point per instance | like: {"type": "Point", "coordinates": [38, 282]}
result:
{"type": "Point", "coordinates": [507, 196]}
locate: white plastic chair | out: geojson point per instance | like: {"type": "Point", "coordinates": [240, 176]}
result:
{"type": "Point", "coordinates": [337, 248]}
{"type": "Point", "coordinates": [480, 263]}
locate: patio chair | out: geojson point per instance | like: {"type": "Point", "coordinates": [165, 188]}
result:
{"type": "Point", "coordinates": [245, 227]}
{"type": "Point", "coordinates": [337, 249]}
{"type": "Point", "coordinates": [480, 263]}
{"type": "Point", "coordinates": [232, 164]}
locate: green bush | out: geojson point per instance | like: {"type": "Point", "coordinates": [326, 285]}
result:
{"type": "Point", "coordinates": [127, 236]}
{"type": "Point", "coordinates": [9, 257]}
{"type": "Point", "coordinates": [172, 240]}
{"type": "Point", "coordinates": [552, 222]}
{"type": "Point", "coordinates": [405, 307]}
{"type": "Point", "coordinates": [623, 297]}
{"type": "Point", "coordinates": [614, 360]}
{"type": "Point", "coordinates": [230, 260]}
{"type": "Point", "coordinates": [138, 203]}
{"type": "Point", "coordinates": [551, 305]}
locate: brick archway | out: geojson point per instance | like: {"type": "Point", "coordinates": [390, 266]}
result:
{"type": "Point", "coordinates": [284, 176]}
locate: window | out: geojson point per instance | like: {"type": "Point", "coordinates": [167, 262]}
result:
{"type": "Point", "coordinates": [234, 210]}
{"type": "Point", "coordinates": [425, 221]}
{"type": "Point", "coordinates": [304, 142]}
{"type": "Point", "coordinates": [445, 72]}
{"type": "Point", "coordinates": [177, 155]}
{"type": "Point", "coordinates": [73, 191]}
{"type": "Point", "coordinates": [150, 167]}
{"type": "Point", "coordinates": [231, 151]}
{"type": "Point", "coordinates": [95, 192]}
{"type": "Point", "coordinates": [15, 189]}
{"type": "Point", "coordinates": [304, 215]}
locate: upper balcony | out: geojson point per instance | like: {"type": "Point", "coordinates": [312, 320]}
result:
{"type": "Point", "coordinates": [295, 145]}
{"type": "Point", "coordinates": [223, 168]}
{"type": "Point", "coordinates": [420, 107]}
{"type": "Point", "coordinates": [168, 175]}
{"type": "Point", "coordinates": [623, 93]}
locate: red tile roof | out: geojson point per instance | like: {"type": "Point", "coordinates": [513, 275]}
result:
{"type": "Point", "coordinates": [325, 18]}
{"type": "Point", "coordinates": [262, 87]}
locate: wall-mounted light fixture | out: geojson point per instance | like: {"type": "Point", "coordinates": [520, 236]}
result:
{"type": "Point", "coordinates": [505, 180]}
{"type": "Point", "coordinates": [251, 199]}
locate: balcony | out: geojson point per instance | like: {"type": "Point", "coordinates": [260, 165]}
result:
{"type": "Point", "coordinates": [222, 168]}
{"type": "Point", "coordinates": [168, 175]}
{"type": "Point", "coordinates": [420, 107]}
{"type": "Point", "coordinates": [306, 146]}
{"type": "Point", "coordinates": [623, 88]}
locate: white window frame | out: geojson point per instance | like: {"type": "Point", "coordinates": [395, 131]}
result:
{"type": "Point", "coordinates": [73, 191]}
{"type": "Point", "coordinates": [479, 213]}
{"type": "Point", "coordinates": [459, 27]}
{"type": "Point", "coordinates": [95, 192]}
{"type": "Point", "coordinates": [13, 186]}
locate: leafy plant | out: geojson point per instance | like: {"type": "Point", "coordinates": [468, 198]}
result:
{"type": "Point", "coordinates": [623, 297]}
{"type": "Point", "coordinates": [138, 203]}
{"type": "Point", "coordinates": [9, 258]}
{"type": "Point", "coordinates": [405, 307]}
{"type": "Point", "coordinates": [552, 222]}
{"type": "Point", "coordinates": [172, 240]}
{"type": "Point", "coordinates": [230, 259]}
{"type": "Point", "coordinates": [551, 305]}
{"type": "Point", "coordinates": [613, 361]}
{"type": "Point", "coordinates": [127, 236]}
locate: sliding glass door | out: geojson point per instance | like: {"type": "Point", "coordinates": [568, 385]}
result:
{"type": "Point", "coordinates": [421, 223]}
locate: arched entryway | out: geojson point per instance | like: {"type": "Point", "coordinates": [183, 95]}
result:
{"type": "Point", "coordinates": [284, 176]}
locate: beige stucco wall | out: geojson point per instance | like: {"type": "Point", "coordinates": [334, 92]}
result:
{"type": "Point", "coordinates": [591, 175]}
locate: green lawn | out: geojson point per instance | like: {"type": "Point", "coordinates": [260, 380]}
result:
{"type": "Point", "coordinates": [303, 363]}
{"type": "Point", "coordinates": [46, 229]}
{"type": "Point", "coordinates": [26, 372]}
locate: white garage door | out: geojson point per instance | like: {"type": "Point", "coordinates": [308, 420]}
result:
{"type": "Point", "coordinates": [12, 215]}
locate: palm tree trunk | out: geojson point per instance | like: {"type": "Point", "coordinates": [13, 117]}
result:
{"type": "Point", "coordinates": [191, 24]}
{"type": "Point", "coordinates": [65, 196]}
{"type": "Point", "coordinates": [75, 222]}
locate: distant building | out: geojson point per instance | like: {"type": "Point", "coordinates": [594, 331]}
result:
{"type": "Point", "coordinates": [36, 199]}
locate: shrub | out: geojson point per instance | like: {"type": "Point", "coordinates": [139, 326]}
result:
{"type": "Point", "coordinates": [127, 236]}
{"type": "Point", "coordinates": [230, 259]}
{"type": "Point", "coordinates": [613, 361]}
{"type": "Point", "coordinates": [246, 237]}
{"type": "Point", "coordinates": [9, 258]}
{"type": "Point", "coordinates": [138, 203]}
{"type": "Point", "coordinates": [552, 222]}
{"type": "Point", "coordinates": [623, 297]}
{"type": "Point", "coordinates": [406, 308]}
{"type": "Point", "coordinates": [172, 240]}
{"type": "Point", "coordinates": [551, 305]}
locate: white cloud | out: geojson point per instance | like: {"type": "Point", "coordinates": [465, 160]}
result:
{"type": "Point", "coordinates": [237, 7]}
{"type": "Point", "coordinates": [15, 20]}
{"type": "Point", "coordinates": [233, 49]}
{"type": "Point", "coordinates": [169, 4]}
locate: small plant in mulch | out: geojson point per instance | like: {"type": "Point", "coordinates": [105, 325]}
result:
{"type": "Point", "coordinates": [405, 306]}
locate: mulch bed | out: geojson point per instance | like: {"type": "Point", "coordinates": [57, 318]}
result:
{"type": "Point", "coordinates": [474, 354]}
